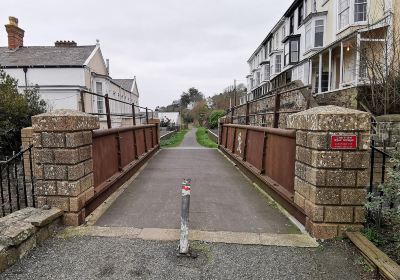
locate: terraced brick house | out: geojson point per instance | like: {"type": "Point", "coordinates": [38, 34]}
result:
{"type": "Point", "coordinates": [63, 70]}
{"type": "Point", "coordinates": [319, 43]}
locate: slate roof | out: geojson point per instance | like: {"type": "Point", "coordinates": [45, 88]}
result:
{"type": "Point", "coordinates": [124, 83]}
{"type": "Point", "coordinates": [45, 56]}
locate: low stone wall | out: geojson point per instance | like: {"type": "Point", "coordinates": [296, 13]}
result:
{"type": "Point", "coordinates": [23, 230]}
{"type": "Point", "coordinates": [167, 135]}
{"type": "Point", "coordinates": [347, 97]}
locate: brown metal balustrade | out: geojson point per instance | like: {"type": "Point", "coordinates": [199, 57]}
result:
{"type": "Point", "coordinates": [117, 154]}
{"type": "Point", "coordinates": [268, 154]}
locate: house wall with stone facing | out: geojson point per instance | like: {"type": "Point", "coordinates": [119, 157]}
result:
{"type": "Point", "coordinates": [297, 100]}
{"type": "Point", "coordinates": [331, 185]}
{"type": "Point", "coordinates": [294, 100]}
{"type": "Point", "coordinates": [63, 161]}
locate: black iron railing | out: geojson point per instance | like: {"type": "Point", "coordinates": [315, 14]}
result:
{"type": "Point", "coordinates": [109, 114]}
{"type": "Point", "coordinates": [17, 182]}
{"type": "Point", "coordinates": [385, 157]}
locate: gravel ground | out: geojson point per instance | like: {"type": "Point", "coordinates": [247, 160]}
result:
{"type": "Point", "coordinates": [118, 258]}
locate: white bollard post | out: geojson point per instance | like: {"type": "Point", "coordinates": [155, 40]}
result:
{"type": "Point", "coordinates": [184, 242]}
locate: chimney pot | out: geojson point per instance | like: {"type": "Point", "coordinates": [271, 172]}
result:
{"type": "Point", "coordinates": [65, 44]}
{"type": "Point", "coordinates": [15, 34]}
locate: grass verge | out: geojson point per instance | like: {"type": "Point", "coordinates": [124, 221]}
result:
{"type": "Point", "coordinates": [202, 138]}
{"type": "Point", "coordinates": [175, 140]}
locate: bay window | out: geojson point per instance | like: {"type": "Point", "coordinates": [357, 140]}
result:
{"type": "Point", "coordinates": [360, 10]}
{"type": "Point", "coordinates": [291, 22]}
{"type": "Point", "coordinates": [278, 63]}
{"type": "Point", "coordinates": [308, 36]}
{"type": "Point", "coordinates": [319, 33]}
{"type": "Point", "coordinates": [267, 71]}
{"type": "Point", "coordinates": [351, 11]}
{"type": "Point", "coordinates": [300, 15]}
{"type": "Point", "coordinates": [294, 51]}
{"type": "Point", "coordinates": [314, 34]}
{"type": "Point", "coordinates": [291, 51]}
{"type": "Point", "coordinates": [305, 8]}
{"type": "Point", "coordinates": [343, 13]}
{"type": "Point", "coordinates": [286, 52]}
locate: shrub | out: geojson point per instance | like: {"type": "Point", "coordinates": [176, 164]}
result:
{"type": "Point", "coordinates": [382, 203]}
{"type": "Point", "coordinates": [213, 118]}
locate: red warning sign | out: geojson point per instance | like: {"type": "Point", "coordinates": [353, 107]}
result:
{"type": "Point", "coordinates": [344, 142]}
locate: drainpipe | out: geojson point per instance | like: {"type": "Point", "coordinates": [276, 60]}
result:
{"type": "Point", "coordinates": [26, 79]}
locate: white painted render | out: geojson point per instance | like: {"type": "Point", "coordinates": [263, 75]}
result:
{"type": "Point", "coordinates": [60, 87]}
{"type": "Point", "coordinates": [334, 37]}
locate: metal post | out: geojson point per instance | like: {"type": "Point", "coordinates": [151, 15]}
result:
{"type": "Point", "coordinates": [119, 155]}
{"type": "Point", "coordinates": [147, 116]}
{"type": "Point", "coordinates": [158, 133]}
{"type": "Point", "coordinates": [1, 191]}
{"type": "Point", "coordinates": [133, 114]}
{"type": "Point", "coordinates": [184, 242]}
{"type": "Point", "coordinates": [247, 113]}
{"type": "Point", "coordinates": [107, 100]}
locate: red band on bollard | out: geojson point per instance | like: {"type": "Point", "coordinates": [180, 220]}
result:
{"type": "Point", "coordinates": [186, 188]}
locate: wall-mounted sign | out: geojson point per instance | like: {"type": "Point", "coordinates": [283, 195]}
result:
{"type": "Point", "coordinates": [344, 142]}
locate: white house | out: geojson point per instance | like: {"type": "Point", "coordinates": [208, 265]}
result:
{"type": "Point", "coordinates": [62, 71]}
{"type": "Point", "coordinates": [319, 42]}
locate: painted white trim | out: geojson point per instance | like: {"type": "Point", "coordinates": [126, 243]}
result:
{"type": "Point", "coordinates": [341, 65]}
{"type": "Point", "coordinates": [91, 55]}
{"type": "Point", "coordinates": [320, 73]}
{"type": "Point", "coordinates": [330, 69]}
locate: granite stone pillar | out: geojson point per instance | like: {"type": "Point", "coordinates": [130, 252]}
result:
{"type": "Point", "coordinates": [63, 161]}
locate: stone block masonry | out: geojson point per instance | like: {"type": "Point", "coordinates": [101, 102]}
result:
{"type": "Point", "coordinates": [23, 230]}
{"type": "Point", "coordinates": [331, 182]}
{"type": "Point", "coordinates": [63, 161]}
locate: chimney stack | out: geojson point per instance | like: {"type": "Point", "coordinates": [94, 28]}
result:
{"type": "Point", "coordinates": [15, 34]}
{"type": "Point", "coordinates": [65, 44]}
{"type": "Point", "coordinates": [108, 66]}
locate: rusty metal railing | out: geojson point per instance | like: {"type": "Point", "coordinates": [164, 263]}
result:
{"type": "Point", "coordinates": [117, 155]}
{"type": "Point", "coordinates": [268, 153]}
{"type": "Point", "coordinates": [115, 148]}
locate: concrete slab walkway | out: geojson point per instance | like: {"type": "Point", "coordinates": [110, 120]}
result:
{"type": "Point", "coordinates": [222, 199]}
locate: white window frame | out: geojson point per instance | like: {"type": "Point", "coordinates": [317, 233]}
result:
{"type": "Point", "coordinates": [100, 100]}
{"type": "Point", "coordinates": [351, 17]}
{"type": "Point", "coordinates": [311, 26]}
{"type": "Point", "coordinates": [364, 2]}
{"type": "Point", "coordinates": [286, 53]}
{"type": "Point", "coordinates": [315, 31]}
{"type": "Point", "coordinates": [276, 63]}
{"type": "Point", "coordinates": [305, 4]}
{"type": "Point", "coordinates": [267, 72]}
{"type": "Point", "coordinates": [341, 11]}
{"type": "Point", "coordinates": [308, 43]}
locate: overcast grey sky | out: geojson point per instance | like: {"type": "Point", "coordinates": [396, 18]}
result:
{"type": "Point", "coordinates": [170, 45]}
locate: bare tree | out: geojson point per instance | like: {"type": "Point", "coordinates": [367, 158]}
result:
{"type": "Point", "coordinates": [378, 48]}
